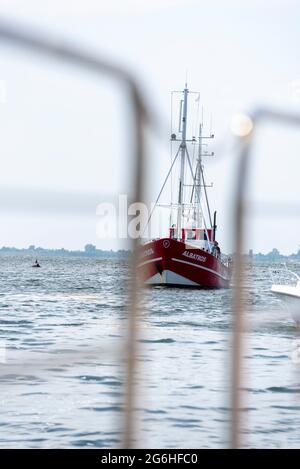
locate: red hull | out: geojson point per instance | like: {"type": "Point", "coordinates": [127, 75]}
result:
{"type": "Point", "coordinates": [176, 263]}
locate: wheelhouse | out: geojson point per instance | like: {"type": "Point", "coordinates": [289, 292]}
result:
{"type": "Point", "coordinates": [191, 234]}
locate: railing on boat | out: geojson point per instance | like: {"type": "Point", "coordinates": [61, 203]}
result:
{"type": "Point", "coordinates": [283, 276]}
{"type": "Point", "coordinates": [197, 234]}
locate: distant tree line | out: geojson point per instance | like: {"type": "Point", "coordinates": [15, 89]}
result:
{"type": "Point", "coordinates": [89, 251]}
{"type": "Point", "coordinates": [274, 256]}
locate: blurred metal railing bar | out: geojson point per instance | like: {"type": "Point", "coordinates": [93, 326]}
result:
{"type": "Point", "coordinates": [60, 49]}
{"type": "Point", "coordinates": [238, 303]}
{"type": "Point", "coordinates": [238, 325]}
{"type": "Point", "coordinates": [135, 290]}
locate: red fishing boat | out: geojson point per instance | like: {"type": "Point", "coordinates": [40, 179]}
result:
{"type": "Point", "coordinates": [190, 254]}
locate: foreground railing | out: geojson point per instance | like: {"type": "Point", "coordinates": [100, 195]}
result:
{"type": "Point", "coordinates": [239, 304]}
{"type": "Point", "coordinates": [57, 49]}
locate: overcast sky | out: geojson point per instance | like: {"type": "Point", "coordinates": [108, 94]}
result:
{"type": "Point", "coordinates": [65, 131]}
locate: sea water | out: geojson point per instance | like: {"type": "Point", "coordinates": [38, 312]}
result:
{"type": "Point", "coordinates": [62, 366]}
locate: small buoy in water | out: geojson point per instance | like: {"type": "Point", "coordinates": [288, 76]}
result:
{"type": "Point", "coordinates": [36, 264]}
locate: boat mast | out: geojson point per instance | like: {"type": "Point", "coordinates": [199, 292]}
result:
{"type": "Point", "coordinates": [183, 125]}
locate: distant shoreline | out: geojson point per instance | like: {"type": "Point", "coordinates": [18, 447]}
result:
{"type": "Point", "coordinates": [89, 251]}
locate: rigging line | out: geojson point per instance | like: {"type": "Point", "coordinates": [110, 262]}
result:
{"type": "Point", "coordinates": [193, 163]}
{"type": "Point", "coordinates": [171, 179]}
{"type": "Point", "coordinates": [197, 112]}
{"type": "Point", "coordinates": [193, 126]}
{"type": "Point", "coordinates": [199, 201]}
{"type": "Point", "coordinates": [160, 192]}
{"type": "Point", "coordinates": [206, 198]}
{"type": "Point", "coordinates": [171, 152]}
{"type": "Point", "coordinates": [188, 189]}
{"type": "Point", "coordinates": [194, 148]}
{"type": "Point", "coordinates": [193, 155]}
{"type": "Point", "coordinates": [194, 123]}
{"type": "Point", "coordinates": [193, 188]}
{"type": "Point", "coordinates": [197, 100]}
